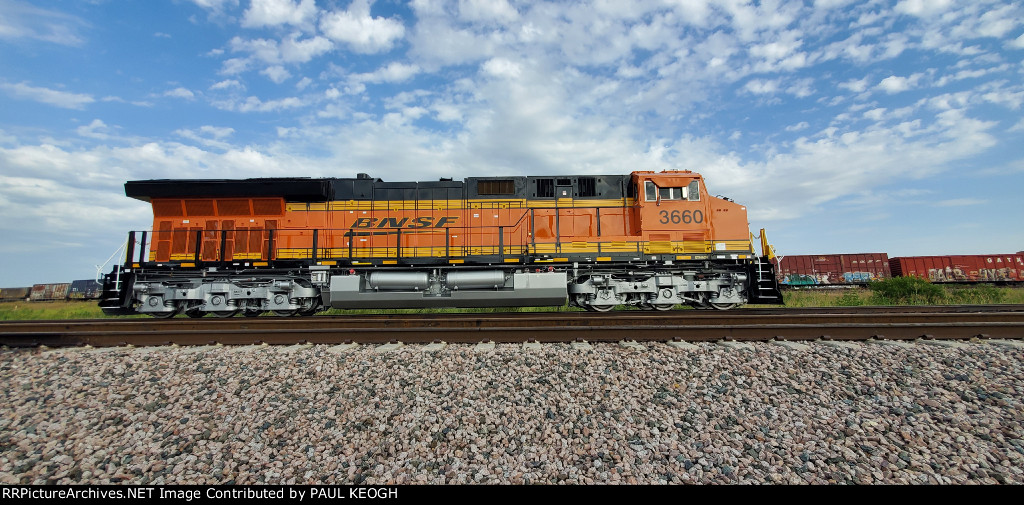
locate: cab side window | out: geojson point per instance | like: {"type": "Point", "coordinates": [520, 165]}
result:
{"type": "Point", "coordinates": [650, 191]}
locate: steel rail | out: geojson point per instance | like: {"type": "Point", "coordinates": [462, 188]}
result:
{"type": "Point", "coordinates": [955, 323]}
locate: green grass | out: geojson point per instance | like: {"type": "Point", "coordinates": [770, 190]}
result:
{"type": "Point", "coordinates": [10, 311]}
{"type": "Point", "coordinates": [905, 291]}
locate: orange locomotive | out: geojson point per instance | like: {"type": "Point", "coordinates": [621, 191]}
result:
{"type": "Point", "coordinates": [296, 246]}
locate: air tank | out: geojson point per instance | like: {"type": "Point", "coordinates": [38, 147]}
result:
{"type": "Point", "coordinates": [483, 279]}
{"type": "Point", "coordinates": [399, 281]}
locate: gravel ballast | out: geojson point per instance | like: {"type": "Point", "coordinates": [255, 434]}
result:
{"type": "Point", "coordinates": [554, 415]}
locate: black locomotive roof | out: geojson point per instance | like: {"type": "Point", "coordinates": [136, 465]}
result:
{"type": "Point", "coordinates": [363, 187]}
{"type": "Point", "coordinates": [291, 188]}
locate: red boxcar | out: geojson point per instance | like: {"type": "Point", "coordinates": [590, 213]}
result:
{"type": "Point", "coordinates": [822, 269]}
{"type": "Point", "coordinates": [966, 268]}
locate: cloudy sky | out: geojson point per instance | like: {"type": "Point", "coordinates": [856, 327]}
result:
{"type": "Point", "coordinates": [845, 126]}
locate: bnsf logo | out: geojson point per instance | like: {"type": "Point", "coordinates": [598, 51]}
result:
{"type": "Point", "coordinates": [405, 222]}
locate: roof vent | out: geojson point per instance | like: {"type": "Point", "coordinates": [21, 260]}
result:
{"type": "Point", "coordinates": [362, 176]}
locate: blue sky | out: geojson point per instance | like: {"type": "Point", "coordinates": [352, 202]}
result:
{"type": "Point", "coordinates": [845, 126]}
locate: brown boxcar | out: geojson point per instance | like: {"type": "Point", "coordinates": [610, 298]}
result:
{"type": "Point", "coordinates": [14, 294]}
{"type": "Point", "coordinates": [961, 268]}
{"type": "Point", "coordinates": [826, 269]}
{"type": "Point", "coordinates": [42, 292]}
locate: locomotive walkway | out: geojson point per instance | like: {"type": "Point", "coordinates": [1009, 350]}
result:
{"type": "Point", "coordinates": [752, 324]}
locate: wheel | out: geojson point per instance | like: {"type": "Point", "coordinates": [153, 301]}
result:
{"type": "Point", "coordinates": [224, 313]}
{"type": "Point", "coordinates": [723, 306]}
{"type": "Point", "coordinates": [601, 308]}
{"type": "Point", "coordinates": [308, 312]}
{"type": "Point", "coordinates": [285, 313]}
{"type": "Point", "coordinates": [662, 306]}
{"type": "Point", "coordinates": [165, 315]}
{"type": "Point", "coordinates": [252, 313]}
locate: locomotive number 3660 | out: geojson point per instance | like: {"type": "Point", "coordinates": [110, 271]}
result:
{"type": "Point", "coordinates": [676, 217]}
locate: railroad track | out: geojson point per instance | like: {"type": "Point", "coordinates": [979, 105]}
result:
{"type": "Point", "coordinates": [852, 323]}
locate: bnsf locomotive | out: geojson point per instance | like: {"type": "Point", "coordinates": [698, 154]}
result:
{"type": "Point", "coordinates": [296, 246]}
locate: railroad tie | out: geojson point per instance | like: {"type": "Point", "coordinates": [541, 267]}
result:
{"type": "Point", "coordinates": [891, 343]}
{"type": "Point", "coordinates": [942, 343]}
{"type": "Point", "coordinates": [343, 348]}
{"type": "Point", "coordinates": [392, 346]}
{"type": "Point", "coordinates": [581, 345]}
{"type": "Point", "coordinates": [686, 346]}
{"type": "Point", "coordinates": [434, 346]}
{"type": "Point", "coordinates": [795, 346]}
{"type": "Point", "coordinates": [732, 344]}
{"type": "Point", "coordinates": [838, 343]}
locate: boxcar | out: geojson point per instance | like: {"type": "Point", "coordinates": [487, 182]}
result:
{"type": "Point", "coordinates": [14, 294]}
{"type": "Point", "coordinates": [831, 269]}
{"type": "Point", "coordinates": [86, 289]}
{"type": "Point", "coordinates": [961, 268]}
{"type": "Point", "coordinates": [48, 292]}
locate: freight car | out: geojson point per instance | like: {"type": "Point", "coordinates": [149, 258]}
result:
{"type": "Point", "coordinates": [991, 268]}
{"type": "Point", "coordinates": [86, 289]}
{"type": "Point", "coordinates": [832, 269]}
{"type": "Point", "coordinates": [49, 292]}
{"type": "Point", "coordinates": [295, 246]}
{"type": "Point", "coordinates": [14, 294]}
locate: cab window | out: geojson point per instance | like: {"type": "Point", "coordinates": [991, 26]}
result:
{"type": "Point", "coordinates": [653, 192]}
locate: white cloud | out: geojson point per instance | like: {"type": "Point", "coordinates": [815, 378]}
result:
{"type": "Point", "coordinates": [393, 72]}
{"type": "Point", "coordinates": [22, 20]}
{"type": "Point", "coordinates": [362, 33]}
{"type": "Point", "coordinates": [254, 104]}
{"type": "Point", "coordinates": [487, 11]}
{"type": "Point", "coordinates": [896, 84]}
{"type": "Point", "coordinates": [276, 73]}
{"type": "Point", "coordinates": [180, 93]}
{"type": "Point", "coordinates": [856, 85]}
{"type": "Point", "coordinates": [279, 12]}
{"type": "Point", "coordinates": [97, 129]}
{"type": "Point", "coordinates": [923, 7]}
{"type": "Point", "coordinates": [290, 50]}
{"type": "Point", "coordinates": [227, 84]}
{"type": "Point", "coordinates": [802, 125]}
{"type": "Point", "coordinates": [49, 96]}
{"type": "Point", "coordinates": [501, 67]}
{"type": "Point", "coordinates": [210, 136]}
{"type": "Point", "coordinates": [761, 86]}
